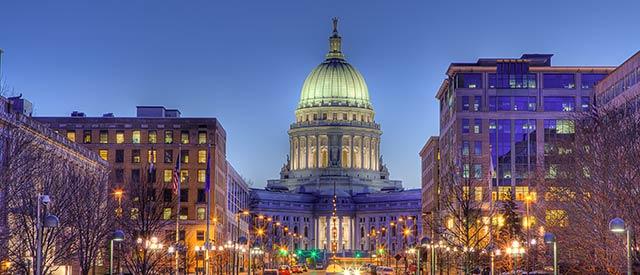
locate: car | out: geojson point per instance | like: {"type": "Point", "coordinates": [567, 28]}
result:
{"type": "Point", "coordinates": [296, 269]}
{"type": "Point", "coordinates": [384, 270]}
{"type": "Point", "coordinates": [284, 270]}
{"type": "Point", "coordinates": [270, 272]}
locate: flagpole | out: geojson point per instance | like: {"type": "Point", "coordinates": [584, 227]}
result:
{"type": "Point", "coordinates": [178, 198]}
{"type": "Point", "coordinates": [207, 189]}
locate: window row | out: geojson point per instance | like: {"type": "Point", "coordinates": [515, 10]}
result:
{"type": "Point", "coordinates": [526, 103]}
{"type": "Point", "coordinates": [335, 116]}
{"type": "Point", "coordinates": [525, 80]}
{"type": "Point", "coordinates": [152, 156]}
{"type": "Point", "coordinates": [135, 138]}
{"type": "Point", "coordinates": [620, 86]}
{"type": "Point", "coordinates": [167, 176]}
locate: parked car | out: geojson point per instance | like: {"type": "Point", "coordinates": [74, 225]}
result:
{"type": "Point", "coordinates": [384, 270]}
{"type": "Point", "coordinates": [284, 270]}
{"type": "Point", "coordinates": [270, 272]}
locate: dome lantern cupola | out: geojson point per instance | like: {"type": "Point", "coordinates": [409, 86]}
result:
{"type": "Point", "coordinates": [335, 82]}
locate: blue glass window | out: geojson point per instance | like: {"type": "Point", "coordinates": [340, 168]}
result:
{"type": "Point", "coordinates": [469, 80]}
{"type": "Point", "coordinates": [477, 148]}
{"type": "Point", "coordinates": [512, 81]}
{"type": "Point", "coordinates": [559, 103]}
{"type": "Point", "coordinates": [524, 103]}
{"type": "Point", "coordinates": [465, 103]}
{"type": "Point", "coordinates": [590, 80]}
{"type": "Point", "coordinates": [477, 103]}
{"type": "Point", "coordinates": [465, 148]}
{"type": "Point", "coordinates": [585, 103]}
{"type": "Point", "coordinates": [499, 103]}
{"type": "Point", "coordinates": [465, 125]}
{"type": "Point", "coordinates": [559, 81]}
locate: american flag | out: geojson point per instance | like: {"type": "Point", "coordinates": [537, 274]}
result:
{"type": "Point", "coordinates": [176, 176]}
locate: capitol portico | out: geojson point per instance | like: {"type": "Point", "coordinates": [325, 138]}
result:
{"type": "Point", "coordinates": [334, 191]}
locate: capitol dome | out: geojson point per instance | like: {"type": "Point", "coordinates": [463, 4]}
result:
{"type": "Point", "coordinates": [334, 82]}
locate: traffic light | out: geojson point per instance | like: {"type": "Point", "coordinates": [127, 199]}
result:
{"type": "Point", "coordinates": [313, 254]}
{"type": "Point", "coordinates": [358, 254]}
{"type": "Point", "coordinates": [380, 251]}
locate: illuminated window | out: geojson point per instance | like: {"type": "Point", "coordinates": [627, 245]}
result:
{"type": "Point", "coordinates": [478, 193]}
{"type": "Point", "coordinates": [465, 170]}
{"type": "Point", "coordinates": [202, 175]}
{"type": "Point", "coordinates": [202, 156]}
{"type": "Point", "coordinates": [184, 156]}
{"type": "Point", "coordinates": [564, 126]}
{"type": "Point", "coordinates": [168, 156]}
{"type": "Point", "coordinates": [167, 175]}
{"type": "Point", "coordinates": [166, 213]}
{"type": "Point", "coordinates": [465, 192]}
{"type": "Point", "coordinates": [168, 136]}
{"type": "Point", "coordinates": [71, 135]}
{"type": "Point", "coordinates": [104, 154]}
{"type": "Point", "coordinates": [153, 136]}
{"type": "Point", "coordinates": [556, 218]}
{"type": "Point", "coordinates": [528, 221]}
{"type": "Point", "coordinates": [202, 137]}
{"type": "Point", "coordinates": [450, 223]}
{"type": "Point", "coordinates": [86, 136]}
{"type": "Point", "coordinates": [504, 193]}
{"type": "Point", "coordinates": [202, 212]}
{"type": "Point", "coordinates": [152, 156]}
{"type": "Point", "coordinates": [184, 213]}
{"type": "Point", "coordinates": [184, 176]}
{"type": "Point", "coordinates": [134, 213]}
{"type": "Point", "coordinates": [135, 156]}
{"type": "Point", "coordinates": [104, 136]}
{"type": "Point", "coordinates": [119, 137]}
{"type": "Point", "coordinates": [521, 192]}
{"type": "Point", "coordinates": [184, 137]}
{"type": "Point", "coordinates": [135, 136]}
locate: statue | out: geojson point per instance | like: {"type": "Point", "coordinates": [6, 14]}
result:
{"type": "Point", "coordinates": [335, 24]}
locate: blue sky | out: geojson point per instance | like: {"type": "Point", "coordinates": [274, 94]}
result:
{"type": "Point", "coordinates": [244, 61]}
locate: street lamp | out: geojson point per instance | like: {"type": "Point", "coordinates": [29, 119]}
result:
{"type": "Point", "coordinates": [118, 236]}
{"type": "Point", "coordinates": [49, 221]}
{"type": "Point", "coordinates": [550, 238]}
{"type": "Point", "coordinates": [617, 225]}
{"type": "Point", "coordinates": [424, 242]}
{"type": "Point", "coordinates": [515, 249]}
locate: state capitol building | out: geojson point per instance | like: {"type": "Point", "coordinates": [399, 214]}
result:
{"type": "Point", "coordinates": [334, 193]}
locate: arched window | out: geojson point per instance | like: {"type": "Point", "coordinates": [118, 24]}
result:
{"type": "Point", "coordinates": [295, 229]}
{"type": "Point", "coordinates": [361, 232]}
{"type": "Point", "coordinates": [306, 232]}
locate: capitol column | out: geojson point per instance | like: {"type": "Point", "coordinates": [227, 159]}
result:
{"type": "Point", "coordinates": [340, 247]}
{"type": "Point", "coordinates": [328, 233]}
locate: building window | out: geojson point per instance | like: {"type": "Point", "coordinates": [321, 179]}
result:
{"type": "Point", "coordinates": [200, 235]}
{"type": "Point", "coordinates": [477, 192]}
{"type": "Point", "coordinates": [465, 103]}
{"type": "Point", "coordinates": [135, 175]}
{"type": "Point", "coordinates": [512, 81]}
{"type": "Point", "coordinates": [202, 156]}
{"type": "Point", "coordinates": [477, 126]}
{"type": "Point", "coordinates": [86, 136]}
{"type": "Point", "coordinates": [184, 137]}
{"type": "Point", "coordinates": [184, 195]}
{"type": "Point", "coordinates": [465, 170]}
{"type": "Point", "coordinates": [119, 137]}
{"type": "Point", "coordinates": [184, 156]}
{"type": "Point", "coordinates": [119, 156]}
{"type": "Point", "coordinates": [184, 176]}
{"type": "Point", "coordinates": [104, 154]}
{"type": "Point", "coordinates": [477, 103]}
{"type": "Point", "coordinates": [202, 213]}
{"type": "Point", "coordinates": [119, 175]}
{"type": "Point", "coordinates": [477, 171]}
{"type": "Point", "coordinates": [166, 213]}
{"type": "Point", "coordinates": [167, 195]}
{"type": "Point", "coordinates": [465, 148]}
{"type": "Point", "coordinates": [135, 156]}
{"type": "Point", "coordinates": [151, 156]}
{"type": "Point", "coordinates": [153, 136]}
{"type": "Point", "coordinates": [184, 213]}
{"type": "Point", "coordinates": [201, 196]}
{"type": "Point", "coordinates": [585, 103]}
{"type": "Point", "coordinates": [559, 103]}
{"type": "Point", "coordinates": [589, 81]}
{"type": "Point", "coordinates": [202, 137]}
{"type": "Point", "coordinates": [168, 137]}
{"type": "Point", "coordinates": [524, 103]}
{"type": "Point", "coordinates": [556, 218]}
{"type": "Point", "coordinates": [469, 80]}
{"type": "Point", "coordinates": [559, 81]}
{"type": "Point", "coordinates": [477, 147]}
{"type": "Point", "coordinates": [135, 137]}
{"type": "Point", "coordinates": [71, 135]}
{"type": "Point", "coordinates": [167, 175]}
{"type": "Point", "coordinates": [168, 156]}
{"type": "Point", "coordinates": [465, 126]}
{"type": "Point", "coordinates": [104, 136]}
{"type": "Point", "coordinates": [202, 175]}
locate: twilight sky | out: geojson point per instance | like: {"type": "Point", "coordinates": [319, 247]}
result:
{"type": "Point", "coordinates": [244, 61]}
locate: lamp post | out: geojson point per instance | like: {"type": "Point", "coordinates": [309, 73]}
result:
{"type": "Point", "coordinates": [515, 249]}
{"type": "Point", "coordinates": [617, 225]}
{"type": "Point", "coordinates": [424, 242]}
{"type": "Point", "coordinates": [118, 236]}
{"type": "Point", "coordinates": [49, 221]}
{"type": "Point", "coordinates": [550, 238]}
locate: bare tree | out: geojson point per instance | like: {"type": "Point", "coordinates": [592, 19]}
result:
{"type": "Point", "coordinates": [144, 219]}
{"type": "Point", "coordinates": [591, 179]}
{"type": "Point", "coordinates": [465, 212]}
{"type": "Point", "coordinates": [94, 219]}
